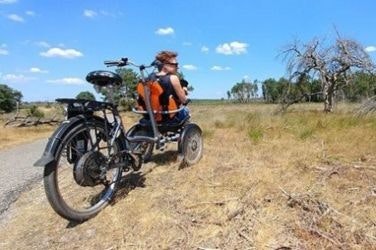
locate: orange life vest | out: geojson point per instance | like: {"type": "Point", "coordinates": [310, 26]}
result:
{"type": "Point", "coordinates": [160, 100]}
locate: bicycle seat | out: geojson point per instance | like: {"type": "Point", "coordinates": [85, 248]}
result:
{"type": "Point", "coordinates": [103, 78]}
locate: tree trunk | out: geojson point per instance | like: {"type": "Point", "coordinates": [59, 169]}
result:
{"type": "Point", "coordinates": [329, 99]}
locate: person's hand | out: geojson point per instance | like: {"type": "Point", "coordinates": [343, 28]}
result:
{"type": "Point", "coordinates": [185, 90]}
{"type": "Point", "coordinates": [187, 101]}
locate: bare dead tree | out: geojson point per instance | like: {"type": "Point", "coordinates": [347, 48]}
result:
{"type": "Point", "coordinates": [333, 64]}
{"type": "Point", "coordinates": [367, 108]}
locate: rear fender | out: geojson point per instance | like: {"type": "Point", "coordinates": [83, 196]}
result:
{"type": "Point", "coordinates": [48, 157]}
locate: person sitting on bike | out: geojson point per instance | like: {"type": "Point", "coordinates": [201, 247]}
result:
{"type": "Point", "coordinates": [169, 81]}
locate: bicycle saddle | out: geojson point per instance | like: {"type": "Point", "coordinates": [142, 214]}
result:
{"type": "Point", "coordinates": [103, 78]}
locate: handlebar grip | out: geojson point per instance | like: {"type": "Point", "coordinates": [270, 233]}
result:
{"type": "Point", "coordinates": [122, 62]}
{"type": "Point", "coordinates": [110, 63]}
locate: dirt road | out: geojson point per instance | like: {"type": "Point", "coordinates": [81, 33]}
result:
{"type": "Point", "coordinates": [17, 171]}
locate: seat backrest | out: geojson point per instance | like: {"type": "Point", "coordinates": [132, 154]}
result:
{"type": "Point", "coordinates": [160, 102]}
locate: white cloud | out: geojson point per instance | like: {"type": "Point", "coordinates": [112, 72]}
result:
{"type": "Point", "coordinates": [68, 81]}
{"type": "Point", "coordinates": [90, 13]}
{"type": "Point", "coordinates": [220, 68]}
{"type": "Point", "coordinates": [37, 70]}
{"type": "Point", "coordinates": [189, 67]}
{"type": "Point", "coordinates": [105, 13]}
{"type": "Point", "coordinates": [16, 18]}
{"type": "Point", "coordinates": [12, 78]}
{"type": "Point", "coordinates": [187, 44]}
{"type": "Point", "coordinates": [165, 31]}
{"type": "Point", "coordinates": [233, 48]}
{"type": "Point", "coordinates": [370, 49]}
{"type": "Point", "coordinates": [204, 49]}
{"type": "Point", "coordinates": [64, 53]}
{"type": "Point", "coordinates": [8, 1]}
{"type": "Point", "coordinates": [43, 44]}
{"type": "Point", "coordinates": [3, 50]}
{"type": "Point", "coordinates": [110, 14]}
{"type": "Point", "coordinates": [30, 13]}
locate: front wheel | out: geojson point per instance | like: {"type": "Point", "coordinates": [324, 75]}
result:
{"type": "Point", "coordinates": [81, 183]}
{"type": "Point", "coordinates": [143, 148]}
{"type": "Point", "coordinates": [191, 145]}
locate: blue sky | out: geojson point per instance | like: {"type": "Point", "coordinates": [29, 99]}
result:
{"type": "Point", "coordinates": [48, 47]}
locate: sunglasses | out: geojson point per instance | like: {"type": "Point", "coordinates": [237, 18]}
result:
{"type": "Point", "coordinates": [173, 64]}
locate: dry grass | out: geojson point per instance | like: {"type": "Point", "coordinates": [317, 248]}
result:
{"type": "Point", "coordinates": [12, 136]}
{"type": "Point", "coordinates": [302, 180]}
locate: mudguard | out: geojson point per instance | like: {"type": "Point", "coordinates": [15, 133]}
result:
{"type": "Point", "coordinates": [186, 128]}
{"type": "Point", "coordinates": [54, 141]}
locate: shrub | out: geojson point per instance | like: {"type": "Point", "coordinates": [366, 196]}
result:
{"type": "Point", "coordinates": [35, 112]}
{"type": "Point", "coordinates": [255, 134]}
{"type": "Point", "coordinates": [126, 104]}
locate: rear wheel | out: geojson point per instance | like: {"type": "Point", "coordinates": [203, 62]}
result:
{"type": "Point", "coordinates": [81, 183]}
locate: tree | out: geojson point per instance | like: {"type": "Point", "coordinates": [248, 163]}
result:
{"type": "Point", "coordinates": [86, 95]}
{"type": "Point", "coordinates": [228, 94]}
{"type": "Point", "coordinates": [272, 90]}
{"type": "Point", "coordinates": [9, 98]}
{"type": "Point", "coordinates": [243, 91]}
{"type": "Point", "coordinates": [130, 80]}
{"type": "Point", "coordinates": [332, 64]}
{"type": "Point", "coordinates": [126, 90]}
{"type": "Point", "coordinates": [362, 86]}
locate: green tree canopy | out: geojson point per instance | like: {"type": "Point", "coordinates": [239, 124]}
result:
{"type": "Point", "coordinates": [128, 88]}
{"type": "Point", "coordinates": [270, 90]}
{"type": "Point", "coordinates": [243, 91]}
{"type": "Point", "coordinates": [86, 95]}
{"type": "Point", "coordinates": [9, 98]}
{"type": "Point", "coordinates": [362, 86]}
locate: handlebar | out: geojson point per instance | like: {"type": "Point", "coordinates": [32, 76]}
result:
{"type": "Point", "coordinates": [119, 63]}
{"type": "Point", "coordinates": [124, 62]}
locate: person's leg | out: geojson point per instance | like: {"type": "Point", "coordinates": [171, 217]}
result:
{"type": "Point", "coordinates": [183, 114]}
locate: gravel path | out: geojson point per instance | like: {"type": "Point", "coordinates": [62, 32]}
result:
{"type": "Point", "coordinates": [17, 171]}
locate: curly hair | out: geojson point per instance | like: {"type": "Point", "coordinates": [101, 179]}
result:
{"type": "Point", "coordinates": [165, 56]}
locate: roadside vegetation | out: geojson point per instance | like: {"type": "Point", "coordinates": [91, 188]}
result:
{"type": "Point", "coordinates": [20, 126]}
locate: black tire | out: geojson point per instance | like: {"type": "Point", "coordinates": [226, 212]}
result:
{"type": "Point", "coordinates": [62, 189]}
{"type": "Point", "coordinates": [192, 146]}
{"type": "Point", "coordinates": [143, 148]}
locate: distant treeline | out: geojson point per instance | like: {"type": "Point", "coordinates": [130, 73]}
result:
{"type": "Point", "coordinates": [305, 89]}
{"type": "Point", "coordinates": [361, 86]}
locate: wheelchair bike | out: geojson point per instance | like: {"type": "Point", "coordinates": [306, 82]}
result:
{"type": "Point", "coordinates": [90, 151]}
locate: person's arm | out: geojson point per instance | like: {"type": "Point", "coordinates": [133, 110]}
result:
{"type": "Point", "coordinates": [184, 83]}
{"type": "Point", "coordinates": [178, 89]}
